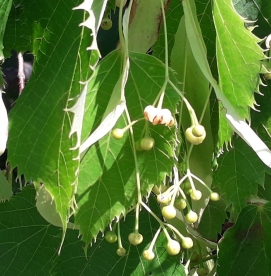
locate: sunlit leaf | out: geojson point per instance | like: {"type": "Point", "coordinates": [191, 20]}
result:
{"type": "Point", "coordinates": [237, 51]}
{"type": "Point", "coordinates": [239, 125]}
{"type": "Point", "coordinates": [107, 180]}
{"type": "Point", "coordinates": [39, 145]}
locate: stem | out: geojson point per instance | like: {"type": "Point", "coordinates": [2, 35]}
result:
{"type": "Point", "coordinates": [202, 182]}
{"type": "Point", "coordinates": [205, 105]}
{"type": "Point", "coordinates": [121, 37]}
{"type": "Point", "coordinates": [184, 83]}
{"type": "Point", "coordinates": [114, 227]}
{"type": "Point", "coordinates": [131, 124]}
{"type": "Point", "coordinates": [183, 194]}
{"type": "Point", "coordinates": [190, 179]}
{"type": "Point", "coordinates": [139, 198]}
{"type": "Point", "coordinates": [154, 239]}
{"type": "Point", "coordinates": [119, 237]}
{"type": "Point", "coordinates": [146, 130]}
{"type": "Point", "coordinates": [188, 155]}
{"type": "Point", "coordinates": [176, 185]}
{"type": "Point", "coordinates": [137, 217]}
{"type": "Point", "coordinates": [188, 105]}
{"type": "Point", "coordinates": [169, 191]}
{"type": "Point", "coordinates": [167, 235]}
{"type": "Point", "coordinates": [175, 230]}
{"type": "Point", "coordinates": [200, 253]}
{"type": "Point", "coordinates": [152, 213]}
{"type": "Point", "coordinates": [163, 88]}
{"type": "Point", "coordinates": [162, 224]}
{"type": "Point", "coordinates": [166, 40]}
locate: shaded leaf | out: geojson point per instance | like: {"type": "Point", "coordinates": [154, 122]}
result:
{"type": "Point", "coordinates": [29, 246]}
{"type": "Point", "coordinates": [245, 248]}
{"type": "Point", "coordinates": [258, 11]}
{"type": "Point", "coordinates": [238, 175]}
{"type": "Point", "coordinates": [5, 6]}
{"type": "Point", "coordinates": [26, 237]}
{"type": "Point", "coordinates": [173, 15]}
{"type": "Point", "coordinates": [5, 188]}
{"type": "Point", "coordinates": [213, 217]}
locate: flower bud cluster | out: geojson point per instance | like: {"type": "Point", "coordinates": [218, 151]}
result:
{"type": "Point", "coordinates": [158, 116]}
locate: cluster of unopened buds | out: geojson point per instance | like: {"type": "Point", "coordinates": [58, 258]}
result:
{"type": "Point", "coordinates": [158, 116]}
{"type": "Point", "coordinates": [164, 196]}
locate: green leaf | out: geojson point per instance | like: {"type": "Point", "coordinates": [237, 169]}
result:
{"type": "Point", "coordinates": [238, 175]}
{"type": "Point", "coordinates": [245, 248]}
{"type": "Point", "coordinates": [195, 39]}
{"type": "Point", "coordinates": [95, 10]}
{"type": "Point", "coordinates": [213, 217]}
{"type": "Point", "coordinates": [107, 180]}
{"type": "Point", "coordinates": [238, 57]}
{"type": "Point", "coordinates": [39, 143]}
{"type": "Point", "coordinates": [5, 6]}
{"type": "Point", "coordinates": [259, 11]}
{"type": "Point", "coordinates": [117, 102]}
{"type": "Point", "coordinates": [261, 121]}
{"type": "Point", "coordinates": [225, 130]}
{"type": "Point", "coordinates": [29, 245]}
{"type": "Point", "coordinates": [5, 188]}
{"type": "Point", "coordinates": [173, 16]}
{"type": "Point", "coordinates": [30, 24]}
{"type": "Point", "coordinates": [265, 191]}
{"type": "Point", "coordinates": [25, 237]}
{"type": "Point", "coordinates": [26, 25]}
